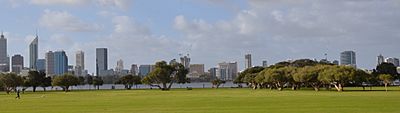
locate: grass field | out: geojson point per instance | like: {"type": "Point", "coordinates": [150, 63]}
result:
{"type": "Point", "coordinates": [204, 100]}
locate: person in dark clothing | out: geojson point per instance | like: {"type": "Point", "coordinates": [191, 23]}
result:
{"type": "Point", "coordinates": [18, 96]}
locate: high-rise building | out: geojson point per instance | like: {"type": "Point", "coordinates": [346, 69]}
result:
{"type": "Point", "coordinates": [33, 52]}
{"type": "Point", "coordinates": [264, 63]}
{"type": "Point", "coordinates": [213, 73]}
{"type": "Point", "coordinates": [394, 61]}
{"type": "Point", "coordinates": [144, 70]}
{"type": "Point", "coordinates": [348, 58]}
{"type": "Point", "coordinates": [101, 61]}
{"type": "Point", "coordinates": [247, 63]}
{"type": "Point", "coordinates": [80, 59]}
{"type": "Point", "coordinates": [49, 63]}
{"type": "Point", "coordinates": [381, 59]}
{"type": "Point", "coordinates": [196, 70]}
{"type": "Point", "coordinates": [134, 69]}
{"type": "Point", "coordinates": [227, 71]}
{"type": "Point", "coordinates": [185, 61]}
{"type": "Point", "coordinates": [17, 63]}
{"type": "Point", "coordinates": [4, 59]}
{"type": "Point", "coordinates": [120, 66]}
{"type": "Point", "coordinates": [60, 62]}
{"type": "Point", "coordinates": [80, 63]}
{"type": "Point", "coordinates": [41, 65]}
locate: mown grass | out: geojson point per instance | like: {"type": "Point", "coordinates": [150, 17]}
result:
{"type": "Point", "coordinates": [204, 100]}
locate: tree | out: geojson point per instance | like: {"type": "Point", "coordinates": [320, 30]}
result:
{"type": "Point", "coordinates": [46, 82]}
{"type": "Point", "coordinates": [89, 80]}
{"type": "Point", "coordinates": [10, 81]}
{"type": "Point", "coordinates": [97, 82]}
{"type": "Point", "coordinates": [387, 68]}
{"type": "Point", "coordinates": [250, 79]}
{"type": "Point", "coordinates": [217, 82]}
{"type": "Point", "coordinates": [337, 76]}
{"type": "Point", "coordinates": [361, 78]}
{"type": "Point", "coordinates": [129, 80]}
{"type": "Point", "coordinates": [166, 74]}
{"type": "Point", "coordinates": [249, 72]}
{"type": "Point", "coordinates": [309, 75]}
{"type": "Point", "coordinates": [35, 79]}
{"type": "Point", "coordinates": [386, 79]}
{"type": "Point", "coordinates": [65, 81]}
{"type": "Point", "coordinates": [276, 76]}
{"type": "Point", "coordinates": [81, 80]}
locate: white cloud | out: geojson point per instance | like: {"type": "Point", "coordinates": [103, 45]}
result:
{"type": "Point", "coordinates": [62, 20]}
{"type": "Point", "coordinates": [60, 2]}
{"type": "Point", "coordinates": [280, 30]}
{"type": "Point", "coordinates": [120, 4]}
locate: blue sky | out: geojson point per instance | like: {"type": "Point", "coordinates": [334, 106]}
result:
{"type": "Point", "coordinates": [212, 31]}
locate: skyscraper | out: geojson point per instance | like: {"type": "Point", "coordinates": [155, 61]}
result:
{"type": "Point", "coordinates": [227, 71]}
{"type": "Point", "coordinates": [49, 63]}
{"type": "Point", "coordinates": [33, 52]}
{"type": "Point", "coordinates": [120, 66]}
{"type": "Point", "coordinates": [247, 63]}
{"type": "Point", "coordinates": [17, 63]}
{"type": "Point", "coordinates": [348, 58]}
{"type": "Point", "coordinates": [144, 70]}
{"type": "Point", "coordinates": [41, 65]}
{"type": "Point", "coordinates": [101, 61]}
{"type": "Point", "coordinates": [185, 61]}
{"type": "Point", "coordinates": [134, 69]}
{"type": "Point", "coordinates": [80, 63]}
{"type": "Point", "coordinates": [381, 59]}
{"type": "Point", "coordinates": [264, 63]}
{"type": "Point", "coordinates": [4, 59]}
{"type": "Point", "coordinates": [60, 63]}
{"type": "Point", "coordinates": [394, 61]}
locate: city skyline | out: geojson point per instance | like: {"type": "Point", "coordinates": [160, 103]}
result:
{"type": "Point", "coordinates": [139, 34]}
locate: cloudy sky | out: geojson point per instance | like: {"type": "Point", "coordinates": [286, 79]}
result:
{"type": "Point", "coordinates": [212, 31]}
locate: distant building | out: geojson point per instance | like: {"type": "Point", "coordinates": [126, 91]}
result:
{"type": "Point", "coordinates": [336, 62]}
{"type": "Point", "coordinates": [185, 61]}
{"type": "Point", "coordinates": [394, 61]}
{"type": "Point", "coordinates": [33, 52]}
{"type": "Point", "coordinates": [264, 63]}
{"type": "Point", "coordinates": [49, 63]}
{"type": "Point", "coordinates": [41, 65]}
{"type": "Point", "coordinates": [134, 69]}
{"type": "Point", "coordinates": [348, 58]}
{"type": "Point", "coordinates": [227, 71]}
{"type": "Point", "coordinates": [17, 63]}
{"type": "Point", "coordinates": [4, 59]}
{"type": "Point", "coordinates": [120, 65]}
{"type": "Point", "coordinates": [247, 63]}
{"type": "Point", "coordinates": [71, 70]}
{"type": "Point", "coordinates": [144, 70]}
{"type": "Point", "coordinates": [381, 59]}
{"type": "Point", "coordinates": [80, 64]}
{"type": "Point", "coordinates": [101, 61]}
{"type": "Point", "coordinates": [213, 73]}
{"type": "Point", "coordinates": [196, 70]}
{"type": "Point", "coordinates": [60, 62]}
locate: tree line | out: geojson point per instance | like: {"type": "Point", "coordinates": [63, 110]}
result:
{"type": "Point", "coordinates": [309, 73]}
{"type": "Point", "coordinates": [296, 74]}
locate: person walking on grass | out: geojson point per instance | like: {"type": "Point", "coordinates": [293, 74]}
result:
{"type": "Point", "coordinates": [18, 96]}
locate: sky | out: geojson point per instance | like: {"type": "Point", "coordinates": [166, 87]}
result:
{"type": "Point", "coordinates": [211, 31]}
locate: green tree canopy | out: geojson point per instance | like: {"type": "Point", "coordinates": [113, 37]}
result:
{"type": "Point", "coordinates": [10, 81]}
{"type": "Point", "coordinates": [337, 76]}
{"type": "Point", "coordinates": [166, 74]}
{"type": "Point", "coordinates": [65, 81]}
{"type": "Point", "coordinates": [129, 80]}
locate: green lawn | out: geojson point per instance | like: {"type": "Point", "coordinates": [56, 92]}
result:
{"type": "Point", "coordinates": [204, 100]}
